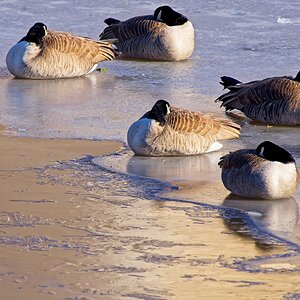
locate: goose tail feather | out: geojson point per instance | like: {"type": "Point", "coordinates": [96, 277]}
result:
{"type": "Point", "coordinates": [227, 81]}
{"type": "Point", "coordinates": [230, 100]}
{"type": "Point", "coordinates": [111, 21]}
{"type": "Point", "coordinates": [229, 130]}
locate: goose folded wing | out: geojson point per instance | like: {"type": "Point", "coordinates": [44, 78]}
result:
{"type": "Point", "coordinates": [193, 122]}
{"type": "Point", "coordinates": [239, 159]}
{"type": "Point", "coordinates": [134, 27]}
{"type": "Point", "coordinates": [81, 47]}
{"type": "Point", "coordinates": [267, 90]}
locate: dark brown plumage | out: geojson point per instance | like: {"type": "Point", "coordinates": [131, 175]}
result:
{"type": "Point", "coordinates": [270, 101]}
{"type": "Point", "coordinates": [267, 172]}
{"type": "Point", "coordinates": [165, 35]}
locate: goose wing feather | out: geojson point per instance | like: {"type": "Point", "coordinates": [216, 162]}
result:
{"type": "Point", "coordinates": [186, 121]}
{"type": "Point", "coordinates": [240, 159]}
{"type": "Point", "coordinates": [256, 92]}
{"type": "Point", "coordinates": [82, 47]}
{"type": "Point", "coordinates": [132, 28]}
{"type": "Point", "coordinates": [192, 122]}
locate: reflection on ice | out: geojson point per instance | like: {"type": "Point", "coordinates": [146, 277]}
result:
{"type": "Point", "coordinates": [65, 108]}
{"type": "Point", "coordinates": [39, 92]}
{"type": "Point", "coordinates": [174, 168]}
{"type": "Point", "coordinates": [280, 217]}
{"type": "Point", "coordinates": [199, 181]}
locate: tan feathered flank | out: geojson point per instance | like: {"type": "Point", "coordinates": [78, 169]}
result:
{"type": "Point", "coordinates": [167, 130]}
{"type": "Point", "coordinates": [54, 54]}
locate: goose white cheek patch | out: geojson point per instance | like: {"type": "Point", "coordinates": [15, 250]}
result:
{"type": "Point", "coordinates": [168, 109]}
{"type": "Point", "coordinates": [261, 153]}
{"type": "Point", "coordinates": [45, 30]}
{"type": "Point", "coordinates": [159, 17]}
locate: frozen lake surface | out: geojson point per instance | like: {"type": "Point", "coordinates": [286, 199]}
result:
{"type": "Point", "coordinates": [247, 40]}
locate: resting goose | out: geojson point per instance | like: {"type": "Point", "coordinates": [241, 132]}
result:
{"type": "Point", "coordinates": [167, 130]}
{"type": "Point", "coordinates": [43, 54]}
{"type": "Point", "coordinates": [165, 35]}
{"type": "Point", "coordinates": [274, 101]}
{"type": "Point", "coordinates": [267, 172]}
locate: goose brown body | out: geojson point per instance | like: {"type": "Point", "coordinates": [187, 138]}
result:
{"type": "Point", "coordinates": [247, 174]}
{"type": "Point", "coordinates": [273, 101]}
{"type": "Point", "coordinates": [60, 54]}
{"type": "Point", "coordinates": [144, 37]}
{"type": "Point", "coordinates": [183, 133]}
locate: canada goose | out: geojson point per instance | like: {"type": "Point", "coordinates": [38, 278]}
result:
{"type": "Point", "coordinates": [167, 130]}
{"type": "Point", "coordinates": [273, 100]}
{"type": "Point", "coordinates": [53, 54]}
{"type": "Point", "coordinates": [165, 35]}
{"type": "Point", "coordinates": [268, 172]}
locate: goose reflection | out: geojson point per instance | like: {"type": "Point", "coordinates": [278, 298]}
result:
{"type": "Point", "coordinates": [175, 168]}
{"type": "Point", "coordinates": [59, 106]}
{"type": "Point", "coordinates": [279, 217]}
{"type": "Point", "coordinates": [55, 90]}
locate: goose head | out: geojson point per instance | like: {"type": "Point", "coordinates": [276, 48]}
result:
{"type": "Point", "coordinates": [36, 34]}
{"type": "Point", "coordinates": [169, 16]}
{"type": "Point", "coordinates": [273, 152]}
{"type": "Point", "coordinates": [159, 111]}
